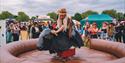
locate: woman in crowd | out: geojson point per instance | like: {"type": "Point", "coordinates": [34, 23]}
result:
{"type": "Point", "coordinates": [104, 30]}
{"type": "Point", "coordinates": [24, 33]}
{"type": "Point", "coordinates": [30, 24]}
{"type": "Point", "coordinates": [35, 30]}
{"type": "Point", "coordinates": [16, 32]}
{"type": "Point", "coordinates": [40, 27]}
{"type": "Point", "coordinates": [79, 28]}
{"type": "Point", "coordinates": [110, 32]}
{"type": "Point", "coordinates": [87, 28]}
{"type": "Point", "coordinates": [9, 37]}
{"type": "Point", "coordinates": [94, 30]}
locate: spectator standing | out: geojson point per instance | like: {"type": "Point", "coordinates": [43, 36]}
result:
{"type": "Point", "coordinates": [110, 32]}
{"type": "Point", "coordinates": [123, 31]}
{"type": "Point", "coordinates": [87, 28]}
{"type": "Point", "coordinates": [104, 31]}
{"type": "Point", "coordinates": [9, 37]}
{"type": "Point", "coordinates": [118, 32]}
{"type": "Point", "coordinates": [79, 28]}
{"type": "Point", "coordinates": [30, 24]}
{"type": "Point", "coordinates": [94, 30]}
{"type": "Point", "coordinates": [24, 33]}
{"type": "Point", "coordinates": [35, 30]}
{"type": "Point", "coordinates": [16, 32]}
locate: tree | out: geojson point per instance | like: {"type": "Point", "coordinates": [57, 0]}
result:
{"type": "Point", "coordinates": [0, 17]}
{"type": "Point", "coordinates": [15, 16]}
{"type": "Point", "coordinates": [112, 13]}
{"type": "Point", "coordinates": [22, 17]}
{"type": "Point", "coordinates": [77, 16]}
{"type": "Point", "coordinates": [5, 15]}
{"type": "Point", "coordinates": [124, 16]}
{"type": "Point", "coordinates": [53, 15]}
{"type": "Point", "coordinates": [120, 16]}
{"type": "Point", "coordinates": [33, 17]}
{"type": "Point", "coordinates": [87, 13]}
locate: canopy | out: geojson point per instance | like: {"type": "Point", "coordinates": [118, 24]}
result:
{"type": "Point", "coordinates": [98, 18]}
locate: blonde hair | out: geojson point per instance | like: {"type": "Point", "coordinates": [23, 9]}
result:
{"type": "Point", "coordinates": [64, 21]}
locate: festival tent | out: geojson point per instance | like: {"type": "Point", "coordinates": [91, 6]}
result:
{"type": "Point", "coordinates": [98, 18]}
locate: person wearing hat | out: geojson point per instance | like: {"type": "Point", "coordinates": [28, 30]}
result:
{"type": "Point", "coordinates": [65, 26]}
{"type": "Point", "coordinates": [66, 37]}
{"type": "Point", "coordinates": [63, 38]}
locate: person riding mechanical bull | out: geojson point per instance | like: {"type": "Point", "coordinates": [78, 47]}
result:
{"type": "Point", "coordinates": [61, 39]}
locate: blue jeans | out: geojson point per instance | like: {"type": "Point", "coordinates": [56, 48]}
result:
{"type": "Point", "coordinates": [103, 35]}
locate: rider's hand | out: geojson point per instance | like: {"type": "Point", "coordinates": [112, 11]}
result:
{"type": "Point", "coordinates": [54, 32]}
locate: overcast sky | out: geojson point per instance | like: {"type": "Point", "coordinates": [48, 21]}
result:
{"type": "Point", "coordinates": [42, 7]}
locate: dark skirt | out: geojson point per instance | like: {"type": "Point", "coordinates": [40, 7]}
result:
{"type": "Point", "coordinates": [61, 42]}
{"type": "Point", "coordinates": [76, 40]}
